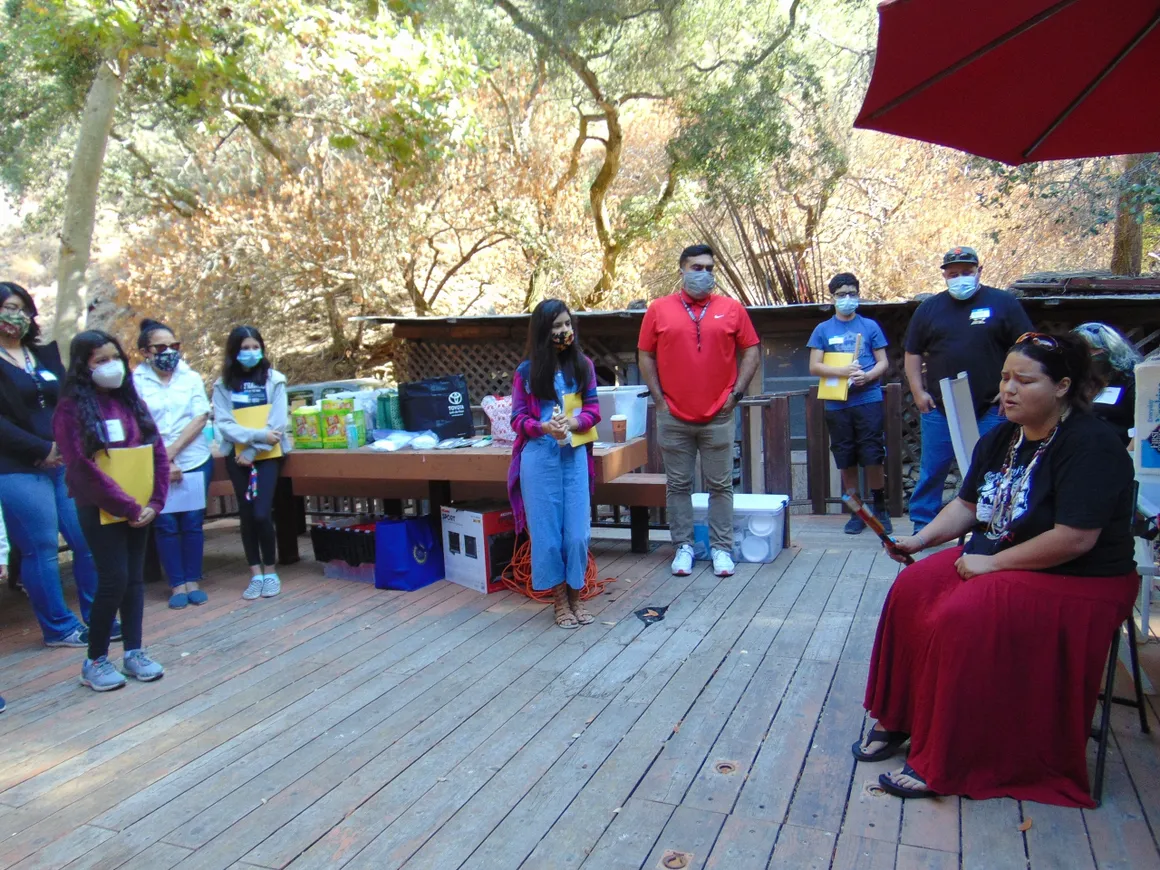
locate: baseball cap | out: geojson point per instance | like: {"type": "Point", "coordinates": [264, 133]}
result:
{"type": "Point", "coordinates": [960, 255]}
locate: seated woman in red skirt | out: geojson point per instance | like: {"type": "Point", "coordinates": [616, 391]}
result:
{"type": "Point", "coordinates": [988, 658]}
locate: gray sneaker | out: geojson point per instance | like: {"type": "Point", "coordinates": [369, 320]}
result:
{"type": "Point", "coordinates": [140, 666]}
{"type": "Point", "coordinates": [101, 675]}
{"type": "Point", "coordinates": [254, 590]}
{"type": "Point", "coordinates": [271, 585]}
{"type": "Point", "coordinates": [78, 638]}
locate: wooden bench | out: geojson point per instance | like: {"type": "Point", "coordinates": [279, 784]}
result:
{"type": "Point", "coordinates": [638, 491]}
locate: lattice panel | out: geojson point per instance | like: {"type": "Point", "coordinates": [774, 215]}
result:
{"type": "Point", "coordinates": [487, 367]}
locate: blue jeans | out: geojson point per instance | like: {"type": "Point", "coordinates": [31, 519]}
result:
{"type": "Point", "coordinates": [937, 455]}
{"type": "Point", "coordinates": [180, 539]}
{"type": "Point", "coordinates": [554, 484]}
{"type": "Point", "coordinates": [37, 507]}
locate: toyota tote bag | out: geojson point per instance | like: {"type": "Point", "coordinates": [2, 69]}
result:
{"type": "Point", "coordinates": [439, 404]}
{"type": "Point", "coordinates": [408, 555]}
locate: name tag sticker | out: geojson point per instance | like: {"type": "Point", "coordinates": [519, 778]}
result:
{"type": "Point", "coordinates": [46, 375]}
{"type": "Point", "coordinates": [1108, 396]}
{"type": "Point", "coordinates": [980, 315]}
{"type": "Point", "coordinates": [114, 431]}
{"type": "Point", "coordinates": [241, 398]}
{"type": "Point", "coordinates": [837, 339]}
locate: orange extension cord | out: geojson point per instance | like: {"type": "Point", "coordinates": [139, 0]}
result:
{"type": "Point", "coordinates": [518, 576]}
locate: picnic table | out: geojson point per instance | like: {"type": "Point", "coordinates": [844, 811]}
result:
{"type": "Point", "coordinates": [436, 475]}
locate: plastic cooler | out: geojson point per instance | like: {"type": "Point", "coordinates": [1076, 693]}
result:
{"type": "Point", "coordinates": [631, 401]}
{"type": "Point", "coordinates": [758, 526]}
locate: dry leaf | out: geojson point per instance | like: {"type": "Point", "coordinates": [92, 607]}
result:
{"type": "Point", "coordinates": [651, 612]}
{"type": "Point", "coordinates": [1026, 826]}
{"type": "Point", "coordinates": [677, 728]}
{"type": "Point", "coordinates": [590, 720]}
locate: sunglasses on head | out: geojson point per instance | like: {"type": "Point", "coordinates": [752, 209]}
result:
{"type": "Point", "coordinates": [161, 348]}
{"type": "Point", "coordinates": [1039, 339]}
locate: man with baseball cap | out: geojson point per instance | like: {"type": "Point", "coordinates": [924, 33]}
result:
{"type": "Point", "coordinates": [967, 328]}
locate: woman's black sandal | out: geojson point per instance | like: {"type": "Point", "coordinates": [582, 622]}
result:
{"type": "Point", "coordinates": [891, 787]}
{"type": "Point", "coordinates": [893, 740]}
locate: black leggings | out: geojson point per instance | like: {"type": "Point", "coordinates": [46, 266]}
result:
{"type": "Point", "coordinates": [257, 516]}
{"type": "Point", "coordinates": [119, 553]}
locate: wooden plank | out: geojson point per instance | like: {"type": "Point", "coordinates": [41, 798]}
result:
{"type": "Point", "coordinates": [820, 799]}
{"type": "Point", "coordinates": [1118, 830]}
{"type": "Point", "coordinates": [689, 831]}
{"type": "Point", "coordinates": [931, 824]}
{"type": "Point", "coordinates": [914, 858]}
{"type": "Point", "coordinates": [64, 850]}
{"type": "Point", "coordinates": [874, 815]}
{"type": "Point", "coordinates": [991, 837]}
{"type": "Point", "coordinates": [864, 628]}
{"type": "Point", "coordinates": [743, 843]}
{"type": "Point", "coordinates": [630, 837]}
{"type": "Point", "coordinates": [1057, 837]}
{"type": "Point", "coordinates": [798, 628]}
{"type": "Point", "coordinates": [803, 849]}
{"type": "Point", "coordinates": [860, 853]}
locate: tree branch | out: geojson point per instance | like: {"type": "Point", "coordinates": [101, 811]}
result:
{"type": "Point", "coordinates": [483, 244]}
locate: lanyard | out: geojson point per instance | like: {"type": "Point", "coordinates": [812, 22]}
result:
{"type": "Point", "coordinates": [696, 320]}
{"type": "Point", "coordinates": [30, 369]}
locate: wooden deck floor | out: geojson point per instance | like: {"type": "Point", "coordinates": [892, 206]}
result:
{"type": "Point", "coordinates": [338, 726]}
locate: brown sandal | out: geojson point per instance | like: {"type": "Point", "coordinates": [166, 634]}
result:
{"type": "Point", "coordinates": [564, 616]}
{"type": "Point", "coordinates": [578, 609]}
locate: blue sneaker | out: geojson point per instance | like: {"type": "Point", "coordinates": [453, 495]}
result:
{"type": "Point", "coordinates": [78, 638]}
{"type": "Point", "coordinates": [854, 525]}
{"type": "Point", "coordinates": [115, 632]}
{"type": "Point", "coordinates": [101, 675]}
{"type": "Point", "coordinates": [198, 598]}
{"type": "Point", "coordinates": [178, 601]}
{"type": "Point", "coordinates": [2, 705]}
{"type": "Point", "coordinates": [883, 516]}
{"type": "Point", "coordinates": [141, 667]}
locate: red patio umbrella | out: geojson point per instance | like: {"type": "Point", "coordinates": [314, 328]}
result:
{"type": "Point", "coordinates": [1018, 80]}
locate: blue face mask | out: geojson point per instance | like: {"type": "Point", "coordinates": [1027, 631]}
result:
{"type": "Point", "coordinates": [846, 305]}
{"type": "Point", "coordinates": [698, 284]}
{"type": "Point", "coordinates": [963, 286]}
{"type": "Point", "coordinates": [249, 358]}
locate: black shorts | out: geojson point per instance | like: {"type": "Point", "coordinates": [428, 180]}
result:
{"type": "Point", "coordinates": [856, 435]}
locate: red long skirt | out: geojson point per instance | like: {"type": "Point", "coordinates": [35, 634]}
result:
{"type": "Point", "coordinates": [996, 678]}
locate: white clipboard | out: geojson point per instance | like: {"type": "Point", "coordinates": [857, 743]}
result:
{"type": "Point", "coordinates": [961, 419]}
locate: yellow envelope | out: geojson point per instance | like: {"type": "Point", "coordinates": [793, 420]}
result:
{"type": "Point", "coordinates": [835, 389]}
{"type": "Point", "coordinates": [573, 402]}
{"type": "Point", "coordinates": [132, 470]}
{"type": "Point", "coordinates": [256, 417]}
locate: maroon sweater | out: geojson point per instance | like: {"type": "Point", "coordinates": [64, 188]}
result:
{"type": "Point", "coordinates": [87, 484]}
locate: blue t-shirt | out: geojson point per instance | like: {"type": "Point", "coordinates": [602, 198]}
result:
{"type": "Point", "coordinates": [838, 336]}
{"type": "Point", "coordinates": [562, 388]}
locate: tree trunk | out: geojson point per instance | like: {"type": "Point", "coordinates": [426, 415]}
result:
{"type": "Point", "coordinates": [80, 206]}
{"type": "Point", "coordinates": [1128, 242]}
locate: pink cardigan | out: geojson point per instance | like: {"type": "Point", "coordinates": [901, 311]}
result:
{"type": "Point", "coordinates": [526, 424]}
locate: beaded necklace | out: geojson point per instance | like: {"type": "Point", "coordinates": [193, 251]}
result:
{"type": "Point", "coordinates": [1011, 483]}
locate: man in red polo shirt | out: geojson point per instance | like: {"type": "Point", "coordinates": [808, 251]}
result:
{"type": "Point", "coordinates": [689, 344]}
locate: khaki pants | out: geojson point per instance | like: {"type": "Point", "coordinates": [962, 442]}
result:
{"type": "Point", "coordinates": [680, 442]}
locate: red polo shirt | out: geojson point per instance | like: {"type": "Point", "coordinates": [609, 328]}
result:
{"type": "Point", "coordinates": [696, 383]}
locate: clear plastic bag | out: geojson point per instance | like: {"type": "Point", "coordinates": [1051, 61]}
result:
{"type": "Point", "coordinates": [390, 440]}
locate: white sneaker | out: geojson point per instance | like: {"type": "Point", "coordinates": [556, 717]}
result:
{"type": "Point", "coordinates": [723, 564]}
{"type": "Point", "coordinates": [254, 590]}
{"type": "Point", "coordinates": [271, 585]}
{"type": "Point", "coordinates": [683, 562]}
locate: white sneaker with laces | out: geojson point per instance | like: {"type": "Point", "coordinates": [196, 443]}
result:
{"type": "Point", "coordinates": [271, 585]}
{"type": "Point", "coordinates": [723, 564]}
{"type": "Point", "coordinates": [254, 590]}
{"type": "Point", "coordinates": [683, 561]}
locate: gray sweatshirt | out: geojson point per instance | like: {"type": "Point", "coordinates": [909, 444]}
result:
{"type": "Point", "coordinates": [253, 440]}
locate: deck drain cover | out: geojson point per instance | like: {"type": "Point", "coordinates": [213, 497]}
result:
{"type": "Point", "coordinates": [872, 788]}
{"type": "Point", "coordinates": [726, 767]}
{"type": "Point", "coordinates": [674, 860]}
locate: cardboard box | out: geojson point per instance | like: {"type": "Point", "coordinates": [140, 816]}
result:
{"type": "Point", "coordinates": [478, 541]}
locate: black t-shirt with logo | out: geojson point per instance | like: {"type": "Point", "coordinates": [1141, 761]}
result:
{"type": "Point", "coordinates": [1084, 479]}
{"type": "Point", "coordinates": [971, 336]}
{"type": "Point", "coordinates": [249, 395]}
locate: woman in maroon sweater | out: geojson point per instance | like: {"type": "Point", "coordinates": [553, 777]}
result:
{"type": "Point", "coordinates": [100, 410]}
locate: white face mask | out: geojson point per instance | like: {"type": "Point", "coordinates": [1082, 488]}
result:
{"type": "Point", "coordinates": [963, 286]}
{"type": "Point", "coordinates": [109, 375]}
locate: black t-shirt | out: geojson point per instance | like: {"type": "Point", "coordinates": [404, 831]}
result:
{"type": "Point", "coordinates": [1083, 479]}
{"type": "Point", "coordinates": [1116, 404]}
{"type": "Point", "coordinates": [25, 427]}
{"type": "Point", "coordinates": [971, 336]}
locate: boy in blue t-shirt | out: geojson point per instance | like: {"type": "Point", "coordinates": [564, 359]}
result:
{"type": "Point", "coordinates": [856, 425]}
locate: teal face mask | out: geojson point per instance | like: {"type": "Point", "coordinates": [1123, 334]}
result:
{"type": "Point", "coordinates": [963, 286]}
{"type": "Point", "coordinates": [249, 358]}
{"type": "Point", "coordinates": [846, 305]}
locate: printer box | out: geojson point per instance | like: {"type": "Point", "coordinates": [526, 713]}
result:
{"type": "Point", "coordinates": [479, 539]}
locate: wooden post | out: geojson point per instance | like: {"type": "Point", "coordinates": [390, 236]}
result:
{"type": "Point", "coordinates": [639, 522]}
{"type": "Point", "coordinates": [746, 449]}
{"type": "Point", "coordinates": [778, 455]}
{"type": "Point", "coordinates": [817, 453]}
{"type": "Point", "coordinates": [656, 462]}
{"type": "Point", "coordinates": [439, 494]}
{"type": "Point", "coordinates": [289, 516]}
{"type": "Point", "coordinates": [893, 409]}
